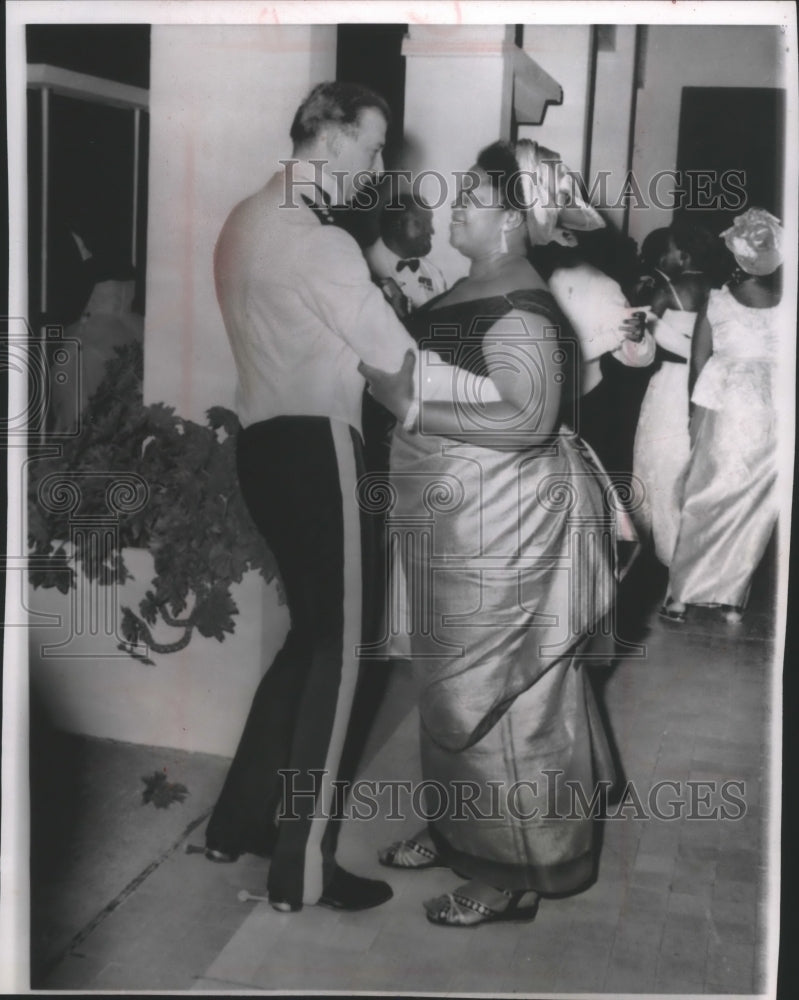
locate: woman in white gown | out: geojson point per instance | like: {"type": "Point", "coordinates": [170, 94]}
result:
{"type": "Point", "coordinates": [729, 507]}
{"type": "Point", "coordinates": [662, 441]}
{"type": "Point", "coordinates": [597, 308]}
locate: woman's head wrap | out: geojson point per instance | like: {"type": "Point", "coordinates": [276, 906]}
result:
{"type": "Point", "coordinates": [755, 240]}
{"type": "Point", "coordinates": [551, 193]}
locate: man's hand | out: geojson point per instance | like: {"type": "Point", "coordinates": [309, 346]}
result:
{"type": "Point", "coordinates": [394, 390]}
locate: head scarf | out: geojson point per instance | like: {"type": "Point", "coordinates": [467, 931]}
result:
{"type": "Point", "coordinates": [551, 192]}
{"type": "Point", "coordinates": [755, 240]}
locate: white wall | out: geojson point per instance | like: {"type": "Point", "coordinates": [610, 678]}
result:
{"type": "Point", "coordinates": [613, 94]}
{"type": "Point", "coordinates": [564, 51]}
{"type": "Point", "coordinates": [673, 58]}
{"type": "Point", "coordinates": [457, 100]}
{"type": "Point", "coordinates": [221, 103]}
{"type": "Point", "coordinates": [704, 56]}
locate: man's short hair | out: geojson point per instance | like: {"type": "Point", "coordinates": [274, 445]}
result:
{"type": "Point", "coordinates": [334, 104]}
{"type": "Point", "coordinates": [396, 209]}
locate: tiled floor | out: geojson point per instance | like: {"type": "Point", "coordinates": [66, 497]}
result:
{"type": "Point", "coordinates": [678, 906]}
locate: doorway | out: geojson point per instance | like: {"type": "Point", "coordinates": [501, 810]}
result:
{"type": "Point", "coordinates": [724, 129]}
{"type": "Point", "coordinates": [371, 54]}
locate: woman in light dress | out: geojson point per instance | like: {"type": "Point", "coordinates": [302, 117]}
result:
{"type": "Point", "coordinates": [729, 506]}
{"type": "Point", "coordinates": [581, 271]}
{"type": "Point", "coordinates": [679, 289]}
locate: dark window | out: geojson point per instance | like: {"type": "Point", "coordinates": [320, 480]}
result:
{"type": "Point", "coordinates": [732, 128]}
{"type": "Point", "coordinates": [118, 52]}
{"type": "Point", "coordinates": [94, 189]}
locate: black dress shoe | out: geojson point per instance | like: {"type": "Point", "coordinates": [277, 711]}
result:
{"type": "Point", "coordinates": [221, 857]}
{"type": "Point", "coordinates": [263, 848]}
{"type": "Point", "coordinates": [352, 892]}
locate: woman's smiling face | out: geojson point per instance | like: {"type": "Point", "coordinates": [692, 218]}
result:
{"type": "Point", "coordinates": [475, 229]}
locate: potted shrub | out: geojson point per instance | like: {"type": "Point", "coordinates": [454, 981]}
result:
{"type": "Point", "coordinates": [192, 518]}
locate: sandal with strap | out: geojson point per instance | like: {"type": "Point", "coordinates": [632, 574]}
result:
{"type": "Point", "coordinates": [409, 854]}
{"type": "Point", "coordinates": [456, 909]}
{"type": "Point", "coordinates": [672, 613]}
{"type": "Point", "coordinates": [731, 614]}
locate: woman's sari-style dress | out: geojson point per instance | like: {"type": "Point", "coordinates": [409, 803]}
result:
{"type": "Point", "coordinates": [509, 558]}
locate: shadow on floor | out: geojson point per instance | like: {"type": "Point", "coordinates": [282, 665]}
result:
{"type": "Point", "coordinates": [94, 838]}
{"type": "Point", "coordinates": [56, 763]}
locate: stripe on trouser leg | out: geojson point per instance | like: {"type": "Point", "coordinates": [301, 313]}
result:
{"type": "Point", "coordinates": [351, 638]}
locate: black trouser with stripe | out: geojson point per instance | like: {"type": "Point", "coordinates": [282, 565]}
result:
{"type": "Point", "coordinates": [306, 727]}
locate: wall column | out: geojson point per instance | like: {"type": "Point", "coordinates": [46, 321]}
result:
{"type": "Point", "coordinates": [458, 92]}
{"type": "Point", "coordinates": [565, 53]}
{"type": "Point", "coordinates": [613, 108]}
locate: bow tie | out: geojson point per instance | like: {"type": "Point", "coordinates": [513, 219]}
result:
{"type": "Point", "coordinates": [412, 263]}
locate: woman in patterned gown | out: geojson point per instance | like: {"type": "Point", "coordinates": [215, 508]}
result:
{"type": "Point", "coordinates": [729, 505]}
{"type": "Point", "coordinates": [506, 523]}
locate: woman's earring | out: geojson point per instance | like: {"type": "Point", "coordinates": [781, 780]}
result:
{"type": "Point", "coordinates": [503, 242]}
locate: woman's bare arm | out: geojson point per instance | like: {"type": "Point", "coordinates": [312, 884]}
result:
{"type": "Point", "coordinates": [522, 360]}
{"type": "Point", "coordinates": [693, 290]}
{"type": "Point", "coordinates": [662, 299]}
{"type": "Point", "coordinates": [701, 348]}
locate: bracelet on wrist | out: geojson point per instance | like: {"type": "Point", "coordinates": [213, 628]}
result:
{"type": "Point", "coordinates": [411, 417]}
